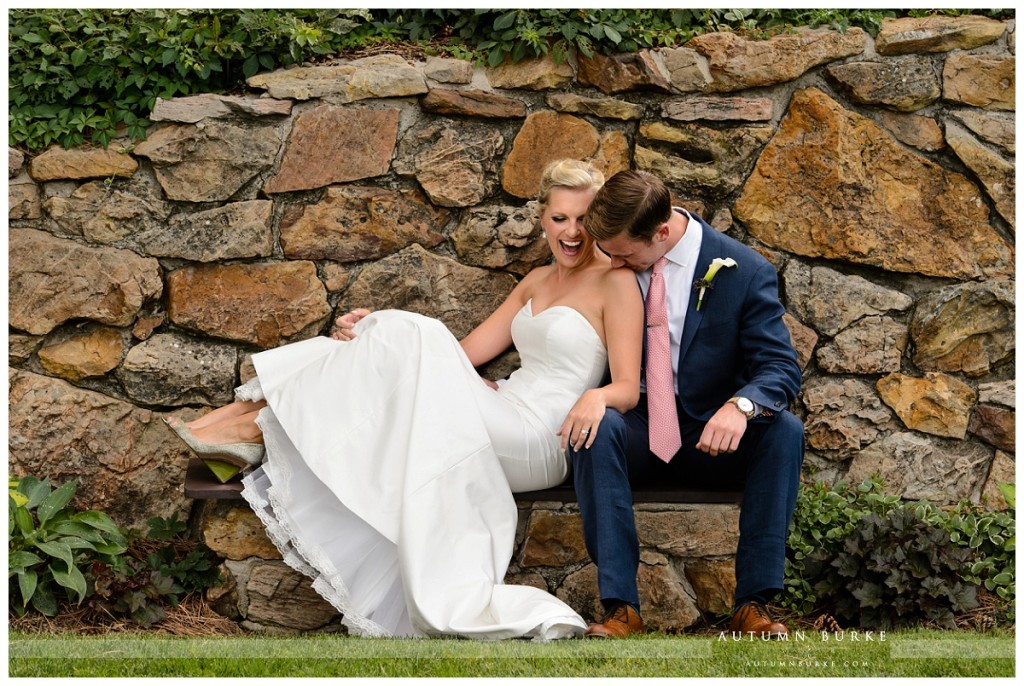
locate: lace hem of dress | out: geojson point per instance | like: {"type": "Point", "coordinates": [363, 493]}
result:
{"type": "Point", "coordinates": [251, 390]}
{"type": "Point", "coordinates": [304, 558]}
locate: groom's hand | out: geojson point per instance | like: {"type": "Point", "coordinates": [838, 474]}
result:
{"type": "Point", "coordinates": [723, 431]}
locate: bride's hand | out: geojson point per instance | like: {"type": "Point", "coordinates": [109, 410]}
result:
{"type": "Point", "coordinates": [580, 426]}
{"type": "Point", "coordinates": [489, 383]}
{"type": "Point", "coordinates": [345, 324]}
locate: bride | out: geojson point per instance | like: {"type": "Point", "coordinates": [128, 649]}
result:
{"type": "Point", "coordinates": [390, 463]}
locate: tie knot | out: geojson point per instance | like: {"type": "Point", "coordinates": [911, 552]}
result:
{"type": "Point", "coordinates": [659, 266]}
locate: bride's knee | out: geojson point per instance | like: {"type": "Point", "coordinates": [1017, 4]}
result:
{"type": "Point", "coordinates": [401, 321]}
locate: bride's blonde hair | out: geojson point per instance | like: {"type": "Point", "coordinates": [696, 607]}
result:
{"type": "Point", "coordinates": [572, 174]}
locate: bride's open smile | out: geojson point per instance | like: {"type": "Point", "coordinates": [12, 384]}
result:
{"type": "Point", "coordinates": [562, 222]}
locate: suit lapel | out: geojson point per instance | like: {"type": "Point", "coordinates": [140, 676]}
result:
{"type": "Point", "coordinates": [709, 248]}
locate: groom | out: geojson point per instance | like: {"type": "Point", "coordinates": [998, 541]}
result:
{"type": "Point", "coordinates": [719, 373]}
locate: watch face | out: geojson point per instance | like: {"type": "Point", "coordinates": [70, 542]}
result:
{"type": "Point", "coordinates": [744, 404]}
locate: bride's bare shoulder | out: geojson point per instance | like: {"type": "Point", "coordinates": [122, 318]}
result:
{"type": "Point", "coordinates": [619, 278]}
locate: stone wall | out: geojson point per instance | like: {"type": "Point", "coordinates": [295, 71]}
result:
{"type": "Point", "coordinates": [876, 174]}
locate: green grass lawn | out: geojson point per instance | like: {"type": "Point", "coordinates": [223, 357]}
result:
{"type": "Point", "coordinates": [898, 654]}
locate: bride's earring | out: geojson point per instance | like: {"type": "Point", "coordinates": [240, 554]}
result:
{"type": "Point", "coordinates": [543, 234]}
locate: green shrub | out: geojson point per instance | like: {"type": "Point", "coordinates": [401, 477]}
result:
{"type": "Point", "coordinates": [897, 570]}
{"type": "Point", "coordinates": [191, 566]}
{"type": "Point", "coordinates": [52, 547]}
{"type": "Point", "coordinates": [990, 536]}
{"type": "Point", "coordinates": [823, 519]}
{"type": "Point", "coordinates": [79, 75]}
{"type": "Point", "coordinates": [89, 73]}
{"type": "Point", "coordinates": [878, 561]}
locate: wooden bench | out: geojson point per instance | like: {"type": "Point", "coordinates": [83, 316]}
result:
{"type": "Point", "coordinates": [200, 484]}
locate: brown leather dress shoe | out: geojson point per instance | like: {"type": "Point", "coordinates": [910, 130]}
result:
{"type": "Point", "coordinates": [619, 622]}
{"type": "Point", "coordinates": [753, 618]}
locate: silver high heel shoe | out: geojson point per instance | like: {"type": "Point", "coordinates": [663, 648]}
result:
{"type": "Point", "coordinates": [224, 460]}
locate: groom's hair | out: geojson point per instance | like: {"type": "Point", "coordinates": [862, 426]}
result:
{"type": "Point", "coordinates": [633, 202]}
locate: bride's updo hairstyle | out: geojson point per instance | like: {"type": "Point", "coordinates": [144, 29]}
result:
{"type": "Point", "coordinates": [572, 174]}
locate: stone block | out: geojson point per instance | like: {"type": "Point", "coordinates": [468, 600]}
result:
{"type": "Point", "coordinates": [544, 137]}
{"type": "Point", "coordinates": [843, 415]}
{"type": "Point", "coordinates": [854, 297]}
{"type": "Point", "coordinates": [171, 369]}
{"type": "Point", "coordinates": [120, 213]}
{"type": "Point", "coordinates": [737, 63]}
{"type": "Point", "coordinates": [966, 327]}
{"type": "Point", "coordinates": [919, 467]}
{"type": "Point", "coordinates": [81, 163]}
{"type": "Point", "coordinates": [233, 531]}
{"type": "Point", "coordinates": [937, 404]}
{"type": "Point", "coordinates": [431, 285]}
{"type": "Point", "coordinates": [455, 165]}
{"type": "Point", "coordinates": [869, 346]}
{"type": "Point", "coordinates": [606, 108]}
{"type": "Point", "coordinates": [622, 72]}
{"type": "Point", "coordinates": [553, 539]}
{"type": "Point", "coordinates": [936, 34]}
{"type": "Point", "coordinates": [211, 162]}
{"type": "Point", "coordinates": [986, 81]}
{"type": "Point", "coordinates": [714, 583]}
{"type": "Point", "coordinates": [127, 462]}
{"type": "Point", "coordinates": [85, 355]}
{"type": "Point", "coordinates": [501, 237]}
{"type": "Point", "coordinates": [262, 304]}
{"type": "Point", "coordinates": [808, 196]}
{"type": "Point", "coordinates": [531, 73]}
{"type": "Point", "coordinates": [53, 280]}
{"type": "Point", "coordinates": [703, 531]}
{"type": "Point", "coordinates": [334, 145]}
{"type": "Point", "coordinates": [995, 425]}
{"type": "Point", "coordinates": [282, 598]}
{"type": "Point", "coordinates": [472, 103]}
{"type": "Point", "coordinates": [353, 223]}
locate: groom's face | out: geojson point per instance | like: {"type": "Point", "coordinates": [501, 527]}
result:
{"type": "Point", "coordinates": [632, 253]}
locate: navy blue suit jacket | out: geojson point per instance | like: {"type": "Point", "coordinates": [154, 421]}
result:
{"type": "Point", "coordinates": [737, 344]}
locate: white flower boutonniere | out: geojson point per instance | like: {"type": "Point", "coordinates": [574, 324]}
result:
{"type": "Point", "coordinates": [705, 283]}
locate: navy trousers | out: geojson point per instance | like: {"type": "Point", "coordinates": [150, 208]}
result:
{"type": "Point", "coordinates": [766, 466]}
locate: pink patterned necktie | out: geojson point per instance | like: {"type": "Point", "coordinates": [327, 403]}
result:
{"type": "Point", "coordinates": [663, 422]}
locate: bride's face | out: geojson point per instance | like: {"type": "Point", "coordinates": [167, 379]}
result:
{"type": "Point", "coordinates": [562, 221]}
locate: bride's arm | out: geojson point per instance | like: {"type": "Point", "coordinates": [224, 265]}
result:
{"type": "Point", "coordinates": [624, 333]}
{"type": "Point", "coordinates": [494, 335]}
{"type": "Point", "coordinates": [623, 315]}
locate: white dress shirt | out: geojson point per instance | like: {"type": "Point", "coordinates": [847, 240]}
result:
{"type": "Point", "coordinates": [679, 276]}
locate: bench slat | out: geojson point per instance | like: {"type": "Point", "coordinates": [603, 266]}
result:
{"type": "Point", "coordinates": [200, 484]}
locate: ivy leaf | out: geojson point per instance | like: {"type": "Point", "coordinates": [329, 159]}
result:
{"type": "Point", "coordinates": [1003, 578]}
{"type": "Point", "coordinates": [250, 66]}
{"type": "Point", "coordinates": [869, 594]}
{"type": "Point", "coordinates": [505, 21]}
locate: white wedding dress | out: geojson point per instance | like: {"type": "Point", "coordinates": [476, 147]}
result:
{"type": "Point", "coordinates": [390, 470]}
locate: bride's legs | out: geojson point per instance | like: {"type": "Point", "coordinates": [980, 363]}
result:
{"type": "Point", "coordinates": [237, 428]}
{"type": "Point", "coordinates": [225, 413]}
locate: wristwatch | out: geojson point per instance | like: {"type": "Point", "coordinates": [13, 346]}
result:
{"type": "Point", "coordinates": [744, 405]}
